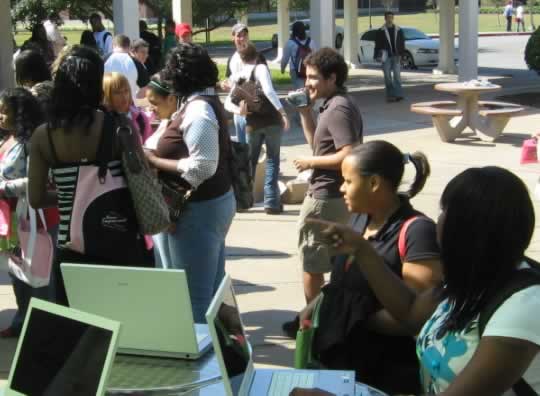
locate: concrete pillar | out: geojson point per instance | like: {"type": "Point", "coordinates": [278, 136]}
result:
{"type": "Point", "coordinates": [323, 20]}
{"type": "Point", "coordinates": [350, 41]}
{"type": "Point", "coordinates": [7, 79]}
{"type": "Point", "coordinates": [447, 29]}
{"type": "Point", "coordinates": [183, 11]}
{"type": "Point", "coordinates": [468, 40]}
{"type": "Point", "coordinates": [126, 18]}
{"type": "Point", "coordinates": [283, 19]}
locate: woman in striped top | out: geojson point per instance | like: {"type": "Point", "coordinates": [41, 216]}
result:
{"type": "Point", "coordinates": [97, 220]}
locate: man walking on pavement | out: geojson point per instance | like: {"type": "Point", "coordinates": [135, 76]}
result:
{"type": "Point", "coordinates": [389, 48]}
{"type": "Point", "coordinates": [507, 13]}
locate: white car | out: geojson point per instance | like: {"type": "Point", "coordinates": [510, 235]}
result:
{"type": "Point", "coordinates": [421, 50]}
{"type": "Point", "coordinates": [340, 33]}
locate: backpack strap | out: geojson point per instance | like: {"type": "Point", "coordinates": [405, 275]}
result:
{"type": "Point", "coordinates": [521, 280]}
{"type": "Point", "coordinates": [402, 239]}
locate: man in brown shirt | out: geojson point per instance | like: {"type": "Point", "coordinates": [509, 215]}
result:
{"type": "Point", "coordinates": [338, 129]}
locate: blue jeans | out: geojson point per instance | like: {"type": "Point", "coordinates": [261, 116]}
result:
{"type": "Point", "coordinates": [197, 246]}
{"type": "Point", "coordinates": [240, 128]}
{"type": "Point", "coordinates": [24, 293]}
{"type": "Point", "coordinates": [297, 82]}
{"type": "Point", "coordinates": [271, 136]}
{"type": "Point", "coordinates": [392, 77]}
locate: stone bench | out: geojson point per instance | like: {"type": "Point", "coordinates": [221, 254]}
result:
{"type": "Point", "coordinates": [441, 112]}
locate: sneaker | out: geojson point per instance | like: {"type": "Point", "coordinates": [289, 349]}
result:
{"type": "Point", "coordinates": [274, 211]}
{"type": "Point", "coordinates": [291, 328]}
{"type": "Point", "coordinates": [399, 98]}
{"type": "Point", "coordinates": [391, 99]}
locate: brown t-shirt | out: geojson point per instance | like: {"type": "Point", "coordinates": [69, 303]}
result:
{"type": "Point", "coordinates": [339, 125]}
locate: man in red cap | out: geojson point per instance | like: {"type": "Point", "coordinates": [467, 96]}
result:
{"type": "Point", "coordinates": [184, 33]}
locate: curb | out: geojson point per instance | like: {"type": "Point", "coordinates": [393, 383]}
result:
{"type": "Point", "coordinates": [490, 34]}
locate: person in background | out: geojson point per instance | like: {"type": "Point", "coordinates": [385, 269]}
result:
{"type": "Point", "coordinates": [508, 13]}
{"type": "Point", "coordinates": [170, 41]}
{"type": "Point", "coordinates": [154, 51]}
{"type": "Point", "coordinates": [196, 158]}
{"type": "Point", "coordinates": [139, 53]}
{"type": "Point", "coordinates": [291, 54]}
{"type": "Point", "coordinates": [184, 33]}
{"type": "Point", "coordinates": [53, 33]}
{"type": "Point", "coordinates": [351, 319]}
{"type": "Point", "coordinates": [389, 48]}
{"type": "Point", "coordinates": [477, 332]}
{"type": "Point", "coordinates": [122, 62]}
{"type": "Point", "coordinates": [266, 127]}
{"type": "Point", "coordinates": [104, 38]}
{"type": "Point", "coordinates": [78, 132]}
{"type": "Point", "coordinates": [117, 97]}
{"type": "Point", "coordinates": [87, 39]}
{"type": "Point", "coordinates": [331, 139]}
{"type": "Point", "coordinates": [30, 69]}
{"type": "Point", "coordinates": [20, 114]}
{"type": "Point", "coordinates": [520, 17]}
{"type": "Point", "coordinates": [39, 42]}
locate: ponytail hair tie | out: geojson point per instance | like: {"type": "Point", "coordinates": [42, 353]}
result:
{"type": "Point", "coordinates": [406, 158]}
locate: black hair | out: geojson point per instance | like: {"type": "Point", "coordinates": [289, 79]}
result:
{"type": "Point", "coordinates": [298, 30]}
{"type": "Point", "coordinates": [39, 33]}
{"type": "Point", "coordinates": [26, 111]}
{"type": "Point", "coordinates": [143, 25]}
{"type": "Point", "coordinates": [189, 69]}
{"type": "Point", "coordinates": [95, 15]}
{"type": "Point", "coordinates": [381, 158]}
{"type": "Point", "coordinates": [160, 87]}
{"type": "Point", "coordinates": [78, 88]}
{"type": "Point", "coordinates": [30, 66]}
{"type": "Point", "coordinates": [486, 226]}
{"type": "Point", "coordinates": [88, 39]}
{"type": "Point", "coordinates": [388, 13]}
{"type": "Point", "coordinates": [328, 61]}
{"type": "Point", "coordinates": [170, 23]}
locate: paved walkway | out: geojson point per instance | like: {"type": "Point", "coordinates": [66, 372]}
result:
{"type": "Point", "coordinates": [262, 255]}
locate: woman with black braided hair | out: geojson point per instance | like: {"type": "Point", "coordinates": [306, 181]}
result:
{"type": "Point", "coordinates": [193, 153]}
{"type": "Point", "coordinates": [20, 114]}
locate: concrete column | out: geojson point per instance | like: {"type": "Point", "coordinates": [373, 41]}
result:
{"type": "Point", "coordinates": [447, 29]}
{"type": "Point", "coordinates": [468, 40]}
{"type": "Point", "coordinates": [183, 11]}
{"type": "Point", "coordinates": [283, 19]}
{"type": "Point", "coordinates": [350, 41]}
{"type": "Point", "coordinates": [323, 20]}
{"type": "Point", "coordinates": [7, 79]}
{"type": "Point", "coordinates": [126, 18]}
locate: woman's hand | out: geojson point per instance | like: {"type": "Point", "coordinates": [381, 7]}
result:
{"type": "Point", "coordinates": [243, 108]}
{"type": "Point", "coordinates": [286, 123]}
{"type": "Point", "coordinates": [150, 156]}
{"type": "Point", "coordinates": [305, 315]}
{"type": "Point", "coordinates": [341, 237]}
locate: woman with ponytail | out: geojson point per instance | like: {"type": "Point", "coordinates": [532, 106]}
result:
{"type": "Point", "coordinates": [355, 331]}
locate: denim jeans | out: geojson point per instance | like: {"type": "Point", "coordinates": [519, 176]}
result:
{"type": "Point", "coordinates": [271, 137]}
{"type": "Point", "coordinates": [392, 77]}
{"type": "Point", "coordinates": [240, 128]}
{"type": "Point", "coordinates": [197, 245]}
{"type": "Point", "coordinates": [24, 293]}
{"type": "Point", "coordinates": [297, 82]}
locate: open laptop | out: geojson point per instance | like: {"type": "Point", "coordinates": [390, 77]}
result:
{"type": "Point", "coordinates": [152, 304]}
{"type": "Point", "coordinates": [234, 356]}
{"type": "Point", "coordinates": [62, 351]}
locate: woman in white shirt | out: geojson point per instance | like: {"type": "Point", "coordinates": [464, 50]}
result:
{"type": "Point", "coordinates": [264, 123]}
{"type": "Point", "coordinates": [487, 221]}
{"type": "Point", "coordinates": [520, 17]}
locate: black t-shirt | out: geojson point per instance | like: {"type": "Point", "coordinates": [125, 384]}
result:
{"type": "Point", "coordinates": [143, 78]}
{"type": "Point", "coordinates": [392, 34]}
{"type": "Point", "coordinates": [339, 125]}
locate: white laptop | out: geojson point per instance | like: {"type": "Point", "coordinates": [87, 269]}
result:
{"type": "Point", "coordinates": [152, 304]}
{"type": "Point", "coordinates": [62, 351]}
{"type": "Point", "coordinates": [234, 356]}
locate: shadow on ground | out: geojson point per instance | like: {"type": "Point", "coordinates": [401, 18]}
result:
{"type": "Point", "coordinates": [243, 287]}
{"type": "Point", "coordinates": [235, 253]}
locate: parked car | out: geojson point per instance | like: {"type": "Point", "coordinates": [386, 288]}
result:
{"type": "Point", "coordinates": [421, 50]}
{"type": "Point", "coordinates": [340, 33]}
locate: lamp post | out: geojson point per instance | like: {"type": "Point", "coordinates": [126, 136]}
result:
{"type": "Point", "coordinates": [369, 12]}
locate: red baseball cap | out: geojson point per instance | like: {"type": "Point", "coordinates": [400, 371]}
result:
{"type": "Point", "coordinates": [182, 29]}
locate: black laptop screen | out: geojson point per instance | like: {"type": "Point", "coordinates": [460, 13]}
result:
{"type": "Point", "coordinates": [60, 356]}
{"type": "Point", "coordinates": [232, 339]}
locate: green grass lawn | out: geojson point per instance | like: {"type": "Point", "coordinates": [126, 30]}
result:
{"type": "Point", "coordinates": [427, 22]}
{"type": "Point", "coordinates": [277, 77]}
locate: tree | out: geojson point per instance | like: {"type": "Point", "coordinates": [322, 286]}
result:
{"type": "Point", "coordinates": [532, 52]}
